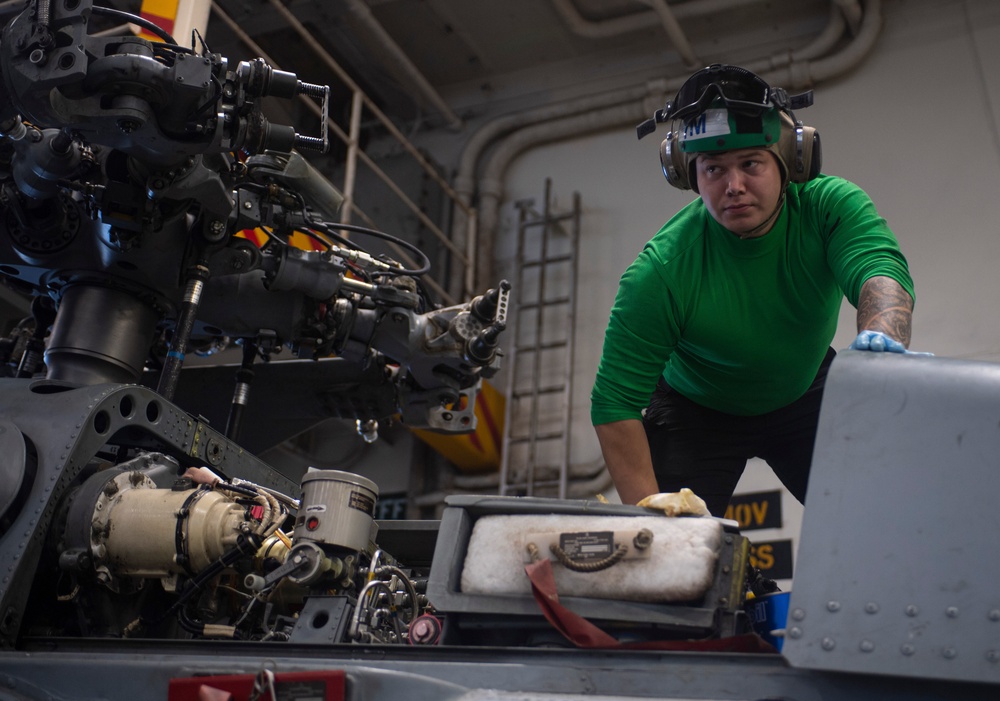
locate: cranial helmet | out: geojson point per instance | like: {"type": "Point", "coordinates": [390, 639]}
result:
{"type": "Point", "coordinates": [721, 108]}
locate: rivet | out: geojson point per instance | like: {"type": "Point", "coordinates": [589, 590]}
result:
{"type": "Point", "coordinates": [907, 649]}
{"type": "Point", "coordinates": [993, 656]}
{"type": "Point", "coordinates": [867, 646]}
{"type": "Point", "coordinates": [995, 615]}
{"type": "Point", "coordinates": [828, 644]}
{"type": "Point", "coordinates": [949, 653]}
{"type": "Point", "coordinates": [912, 610]}
{"type": "Point", "coordinates": [871, 607]}
{"type": "Point", "coordinates": [798, 614]}
{"type": "Point", "coordinates": [794, 632]}
{"type": "Point", "coordinates": [951, 612]}
{"type": "Point", "coordinates": [832, 606]}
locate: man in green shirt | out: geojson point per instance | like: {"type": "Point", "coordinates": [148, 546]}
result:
{"type": "Point", "coordinates": [719, 339]}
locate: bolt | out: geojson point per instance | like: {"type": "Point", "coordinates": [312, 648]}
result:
{"type": "Point", "coordinates": [423, 631]}
{"type": "Point", "coordinates": [643, 539]}
{"type": "Point", "coordinates": [248, 205]}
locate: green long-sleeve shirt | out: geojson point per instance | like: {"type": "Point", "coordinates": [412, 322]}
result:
{"type": "Point", "coordinates": [741, 325]}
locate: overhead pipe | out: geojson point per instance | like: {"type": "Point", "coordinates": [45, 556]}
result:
{"type": "Point", "coordinates": [852, 13]}
{"type": "Point", "coordinates": [636, 21]}
{"type": "Point", "coordinates": [674, 32]}
{"type": "Point", "coordinates": [464, 182]}
{"type": "Point", "coordinates": [491, 182]}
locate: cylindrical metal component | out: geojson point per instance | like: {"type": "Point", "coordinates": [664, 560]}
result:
{"type": "Point", "coordinates": [337, 510]}
{"type": "Point", "coordinates": [182, 332]}
{"type": "Point", "coordinates": [99, 335]}
{"type": "Point", "coordinates": [160, 532]}
{"type": "Point", "coordinates": [313, 563]}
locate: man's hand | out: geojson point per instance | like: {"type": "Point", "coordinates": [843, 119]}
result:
{"type": "Point", "coordinates": [878, 342]}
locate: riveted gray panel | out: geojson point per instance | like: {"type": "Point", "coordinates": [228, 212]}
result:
{"type": "Point", "coordinates": [899, 560]}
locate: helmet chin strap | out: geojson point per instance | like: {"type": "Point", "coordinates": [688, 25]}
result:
{"type": "Point", "coordinates": [767, 223]}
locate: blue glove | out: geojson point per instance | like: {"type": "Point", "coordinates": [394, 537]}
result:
{"type": "Point", "coordinates": [878, 342]}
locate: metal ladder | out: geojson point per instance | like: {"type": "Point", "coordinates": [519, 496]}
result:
{"type": "Point", "coordinates": [536, 442]}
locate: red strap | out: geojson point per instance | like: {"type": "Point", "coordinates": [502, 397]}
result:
{"type": "Point", "coordinates": [577, 629]}
{"type": "Point", "coordinates": [584, 634]}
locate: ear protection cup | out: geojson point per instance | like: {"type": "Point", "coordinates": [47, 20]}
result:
{"type": "Point", "coordinates": [675, 164]}
{"type": "Point", "coordinates": [800, 150]}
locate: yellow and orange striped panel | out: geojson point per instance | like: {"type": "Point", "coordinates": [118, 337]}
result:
{"type": "Point", "coordinates": [298, 240]}
{"type": "Point", "coordinates": [162, 13]}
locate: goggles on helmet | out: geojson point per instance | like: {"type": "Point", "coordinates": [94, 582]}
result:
{"type": "Point", "coordinates": [738, 89]}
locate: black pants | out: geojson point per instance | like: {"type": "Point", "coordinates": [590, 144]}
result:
{"type": "Point", "coordinates": [707, 450]}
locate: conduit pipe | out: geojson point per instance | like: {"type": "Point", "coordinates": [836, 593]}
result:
{"type": "Point", "coordinates": [636, 21]}
{"type": "Point", "coordinates": [674, 32]}
{"type": "Point", "coordinates": [464, 182]}
{"type": "Point", "coordinates": [491, 183]}
{"type": "Point", "coordinates": [852, 13]}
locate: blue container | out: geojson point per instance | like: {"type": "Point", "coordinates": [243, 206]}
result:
{"type": "Point", "coordinates": [768, 614]}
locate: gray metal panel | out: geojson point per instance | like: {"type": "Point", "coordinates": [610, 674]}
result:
{"type": "Point", "coordinates": [898, 568]}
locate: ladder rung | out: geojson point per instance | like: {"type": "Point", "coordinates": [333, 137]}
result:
{"type": "Point", "coordinates": [554, 259]}
{"type": "Point", "coordinates": [551, 389]}
{"type": "Point", "coordinates": [547, 302]}
{"type": "Point", "coordinates": [544, 346]}
{"type": "Point", "coordinates": [551, 219]}
{"type": "Point", "coordinates": [540, 437]}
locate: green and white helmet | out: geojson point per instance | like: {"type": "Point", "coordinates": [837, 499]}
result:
{"type": "Point", "coordinates": [722, 108]}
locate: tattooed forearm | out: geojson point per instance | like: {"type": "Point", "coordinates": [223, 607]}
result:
{"type": "Point", "coordinates": [885, 306]}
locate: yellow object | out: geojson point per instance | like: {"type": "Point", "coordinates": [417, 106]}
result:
{"type": "Point", "coordinates": [297, 239]}
{"type": "Point", "coordinates": [179, 18]}
{"type": "Point", "coordinates": [682, 503]}
{"type": "Point", "coordinates": [478, 451]}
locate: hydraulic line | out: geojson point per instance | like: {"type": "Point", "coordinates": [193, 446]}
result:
{"type": "Point", "coordinates": [182, 333]}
